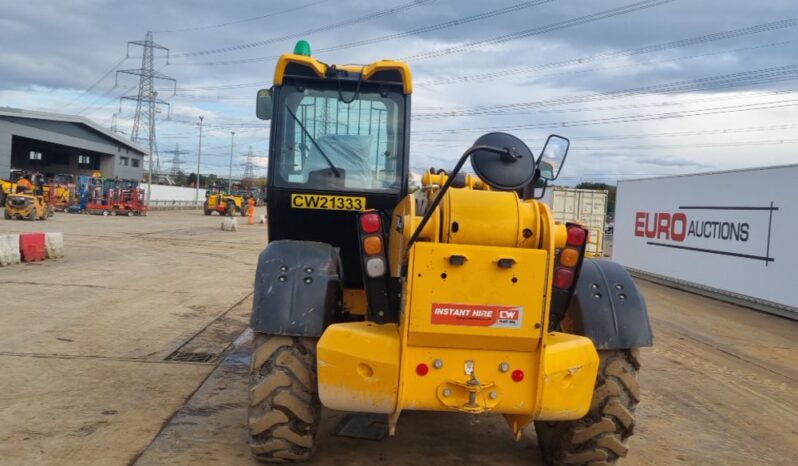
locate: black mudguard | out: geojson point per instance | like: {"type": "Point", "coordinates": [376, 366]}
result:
{"type": "Point", "coordinates": [608, 308]}
{"type": "Point", "coordinates": [297, 288]}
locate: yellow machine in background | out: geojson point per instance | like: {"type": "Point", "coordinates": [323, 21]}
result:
{"type": "Point", "coordinates": [6, 187]}
{"type": "Point", "coordinates": [223, 203]}
{"type": "Point", "coordinates": [9, 186]}
{"type": "Point", "coordinates": [470, 299]}
{"type": "Point", "coordinates": [62, 191]}
{"type": "Point", "coordinates": [30, 204]}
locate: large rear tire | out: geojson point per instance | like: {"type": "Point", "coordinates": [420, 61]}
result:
{"type": "Point", "coordinates": [284, 406]}
{"type": "Point", "coordinates": [598, 439]}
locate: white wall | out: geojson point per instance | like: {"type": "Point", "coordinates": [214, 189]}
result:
{"type": "Point", "coordinates": [730, 231]}
{"type": "Point", "coordinates": [162, 192]}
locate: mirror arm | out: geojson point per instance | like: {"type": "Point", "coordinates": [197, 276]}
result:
{"type": "Point", "coordinates": [542, 190]}
{"type": "Point", "coordinates": [449, 181]}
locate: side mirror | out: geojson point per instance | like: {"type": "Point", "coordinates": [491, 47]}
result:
{"type": "Point", "coordinates": [552, 157]}
{"type": "Point", "coordinates": [502, 161]}
{"type": "Point", "coordinates": [263, 107]}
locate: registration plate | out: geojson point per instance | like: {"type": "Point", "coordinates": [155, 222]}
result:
{"type": "Point", "coordinates": [327, 202]}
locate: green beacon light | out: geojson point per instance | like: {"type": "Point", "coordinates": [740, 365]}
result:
{"type": "Point", "coordinates": [302, 47]}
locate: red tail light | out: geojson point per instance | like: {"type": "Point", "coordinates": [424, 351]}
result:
{"type": "Point", "coordinates": [577, 236]}
{"type": "Point", "coordinates": [563, 277]}
{"type": "Point", "coordinates": [517, 375]}
{"type": "Point", "coordinates": [370, 222]}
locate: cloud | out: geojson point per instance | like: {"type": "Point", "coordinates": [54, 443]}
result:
{"type": "Point", "coordinates": [53, 51]}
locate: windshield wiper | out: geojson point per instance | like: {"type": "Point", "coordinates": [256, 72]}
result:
{"type": "Point", "coordinates": [329, 162]}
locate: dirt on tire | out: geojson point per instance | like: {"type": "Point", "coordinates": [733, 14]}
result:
{"type": "Point", "coordinates": [284, 407]}
{"type": "Point", "coordinates": [599, 438]}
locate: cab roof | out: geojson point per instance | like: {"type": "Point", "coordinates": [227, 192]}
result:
{"type": "Point", "coordinates": [383, 71]}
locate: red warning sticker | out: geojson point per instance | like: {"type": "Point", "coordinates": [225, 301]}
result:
{"type": "Point", "coordinates": [477, 315]}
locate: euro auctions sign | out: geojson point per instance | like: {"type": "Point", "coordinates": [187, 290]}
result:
{"type": "Point", "coordinates": [725, 230]}
{"type": "Point", "coordinates": [731, 232]}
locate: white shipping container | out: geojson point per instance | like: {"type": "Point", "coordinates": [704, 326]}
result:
{"type": "Point", "coordinates": [161, 192]}
{"type": "Point", "coordinates": [587, 207]}
{"type": "Point", "coordinates": [728, 234]}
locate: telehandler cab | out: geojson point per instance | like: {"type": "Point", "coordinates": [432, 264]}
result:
{"type": "Point", "coordinates": [469, 298]}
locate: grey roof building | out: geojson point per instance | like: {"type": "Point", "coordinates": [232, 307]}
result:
{"type": "Point", "coordinates": [52, 143]}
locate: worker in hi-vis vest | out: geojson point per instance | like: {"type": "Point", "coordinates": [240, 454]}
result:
{"type": "Point", "coordinates": [251, 211]}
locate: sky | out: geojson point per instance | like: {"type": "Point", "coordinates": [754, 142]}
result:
{"type": "Point", "coordinates": [640, 87]}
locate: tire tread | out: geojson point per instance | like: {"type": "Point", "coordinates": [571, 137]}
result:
{"type": "Point", "coordinates": [284, 407]}
{"type": "Point", "coordinates": [598, 439]}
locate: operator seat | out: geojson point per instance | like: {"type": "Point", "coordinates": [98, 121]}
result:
{"type": "Point", "coordinates": [349, 153]}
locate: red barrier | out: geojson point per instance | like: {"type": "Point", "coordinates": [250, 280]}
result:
{"type": "Point", "coordinates": [31, 246]}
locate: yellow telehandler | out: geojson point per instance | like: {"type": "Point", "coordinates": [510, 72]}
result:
{"type": "Point", "coordinates": [467, 299]}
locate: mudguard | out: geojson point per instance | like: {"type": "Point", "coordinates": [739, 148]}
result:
{"type": "Point", "coordinates": [608, 308]}
{"type": "Point", "coordinates": [297, 288]}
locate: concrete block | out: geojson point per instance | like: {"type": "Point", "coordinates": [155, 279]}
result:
{"type": "Point", "coordinates": [262, 220]}
{"type": "Point", "coordinates": [32, 246]}
{"type": "Point", "coordinates": [9, 250]}
{"type": "Point", "coordinates": [54, 243]}
{"type": "Point", "coordinates": [230, 224]}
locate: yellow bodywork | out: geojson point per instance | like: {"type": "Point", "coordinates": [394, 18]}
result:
{"type": "Point", "coordinates": [27, 206]}
{"type": "Point", "coordinates": [62, 196]}
{"type": "Point", "coordinates": [320, 69]}
{"type": "Point", "coordinates": [472, 323]}
{"type": "Point", "coordinates": [217, 200]}
{"type": "Point", "coordinates": [475, 295]}
{"type": "Point", "coordinates": [7, 187]}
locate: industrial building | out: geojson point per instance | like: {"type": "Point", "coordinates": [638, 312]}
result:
{"type": "Point", "coordinates": [52, 143]}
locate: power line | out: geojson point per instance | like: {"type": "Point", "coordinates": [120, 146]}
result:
{"type": "Point", "coordinates": [501, 74]}
{"type": "Point", "coordinates": [493, 75]}
{"type": "Point", "coordinates": [327, 27]}
{"type": "Point", "coordinates": [89, 89]}
{"type": "Point", "coordinates": [671, 134]}
{"type": "Point", "coordinates": [224, 86]}
{"type": "Point", "coordinates": [731, 34]}
{"type": "Point", "coordinates": [624, 119]}
{"type": "Point", "coordinates": [497, 75]}
{"type": "Point", "coordinates": [93, 102]}
{"type": "Point", "coordinates": [630, 8]}
{"type": "Point", "coordinates": [704, 145]}
{"type": "Point", "coordinates": [716, 98]}
{"type": "Point", "coordinates": [220, 125]}
{"type": "Point", "coordinates": [748, 129]}
{"type": "Point", "coordinates": [635, 64]}
{"type": "Point", "coordinates": [421, 30]}
{"type": "Point", "coordinates": [243, 20]}
{"type": "Point", "coordinates": [776, 73]}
